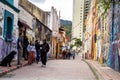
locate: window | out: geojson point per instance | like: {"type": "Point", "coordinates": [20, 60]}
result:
{"type": "Point", "coordinates": [8, 25]}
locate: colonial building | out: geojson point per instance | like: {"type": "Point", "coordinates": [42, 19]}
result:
{"type": "Point", "coordinates": [8, 26]}
{"type": "Point", "coordinates": [25, 23]}
{"type": "Point", "coordinates": [105, 34]}
{"type": "Point", "coordinates": [36, 21]}
{"type": "Point", "coordinates": [54, 25]}
{"type": "Point", "coordinates": [61, 41]}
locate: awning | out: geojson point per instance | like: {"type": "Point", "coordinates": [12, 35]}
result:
{"type": "Point", "coordinates": [23, 24]}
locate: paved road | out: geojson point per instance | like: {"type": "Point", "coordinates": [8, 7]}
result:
{"type": "Point", "coordinates": [55, 70]}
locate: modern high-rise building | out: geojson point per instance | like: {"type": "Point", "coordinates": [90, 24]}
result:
{"type": "Point", "coordinates": [80, 10]}
{"type": "Point", "coordinates": [86, 8]}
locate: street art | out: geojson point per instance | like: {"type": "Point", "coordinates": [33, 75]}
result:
{"type": "Point", "coordinates": [1, 20]}
{"type": "Point", "coordinates": [1, 49]}
{"type": "Point", "coordinates": [1, 29]}
{"type": "Point", "coordinates": [113, 58]}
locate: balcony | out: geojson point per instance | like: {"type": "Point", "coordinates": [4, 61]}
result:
{"type": "Point", "coordinates": [61, 29]}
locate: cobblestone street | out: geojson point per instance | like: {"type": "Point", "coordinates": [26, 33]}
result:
{"type": "Point", "coordinates": [55, 70]}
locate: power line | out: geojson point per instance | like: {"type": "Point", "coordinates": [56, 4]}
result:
{"type": "Point", "coordinates": [77, 24]}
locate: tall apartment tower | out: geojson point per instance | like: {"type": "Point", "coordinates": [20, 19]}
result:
{"type": "Point", "coordinates": [80, 10]}
{"type": "Point", "coordinates": [86, 11]}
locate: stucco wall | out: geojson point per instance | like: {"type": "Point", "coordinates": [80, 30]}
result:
{"type": "Point", "coordinates": [5, 46]}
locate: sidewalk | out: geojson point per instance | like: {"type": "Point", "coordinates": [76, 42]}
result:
{"type": "Point", "coordinates": [102, 72]}
{"type": "Point", "coordinates": [14, 66]}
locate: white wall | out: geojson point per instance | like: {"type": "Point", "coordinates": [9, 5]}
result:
{"type": "Point", "coordinates": [55, 22]}
{"type": "Point", "coordinates": [25, 17]}
{"type": "Point", "coordinates": [78, 10]}
{"type": "Point", "coordinates": [5, 7]}
{"type": "Point", "coordinates": [16, 3]}
{"type": "Point", "coordinates": [15, 29]}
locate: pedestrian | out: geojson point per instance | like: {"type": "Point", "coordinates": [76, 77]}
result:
{"type": "Point", "coordinates": [64, 54]}
{"type": "Point", "coordinates": [20, 48]}
{"type": "Point", "coordinates": [69, 54]}
{"type": "Point", "coordinates": [32, 52]}
{"type": "Point", "coordinates": [37, 47]}
{"type": "Point", "coordinates": [73, 54]}
{"type": "Point", "coordinates": [44, 51]}
{"type": "Point", "coordinates": [25, 52]}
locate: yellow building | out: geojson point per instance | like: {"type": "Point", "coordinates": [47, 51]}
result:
{"type": "Point", "coordinates": [61, 40]}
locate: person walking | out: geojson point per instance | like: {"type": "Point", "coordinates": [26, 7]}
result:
{"type": "Point", "coordinates": [20, 48]}
{"type": "Point", "coordinates": [37, 47]}
{"type": "Point", "coordinates": [44, 51]}
{"type": "Point", "coordinates": [73, 54]}
{"type": "Point", "coordinates": [69, 54]}
{"type": "Point", "coordinates": [31, 49]}
{"type": "Point", "coordinates": [64, 54]}
{"type": "Point", "coordinates": [25, 44]}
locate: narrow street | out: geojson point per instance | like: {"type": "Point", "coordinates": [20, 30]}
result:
{"type": "Point", "coordinates": [55, 70]}
{"type": "Point", "coordinates": [34, 29]}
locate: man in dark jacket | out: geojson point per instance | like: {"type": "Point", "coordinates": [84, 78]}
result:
{"type": "Point", "coordinates": [44, 51]}
{"type": "Point", "coordinates": [25, 44]}
{"type": "Point", "coordinates": [37, 46]}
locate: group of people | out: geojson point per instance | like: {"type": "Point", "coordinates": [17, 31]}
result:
{"type": "Point", "coordinates": [67, 54]}
{"type": "Point", "coordinates": [33, 51]}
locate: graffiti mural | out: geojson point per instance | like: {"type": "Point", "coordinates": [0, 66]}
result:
{"type": "Point", "coordinates": [113, 58]}
{"type": "Point", "coordinates": [1, 20]}
{"type": "Point", "coordinates": [1, 29]}
{"type": "Point", "coordinates": [1, 41]}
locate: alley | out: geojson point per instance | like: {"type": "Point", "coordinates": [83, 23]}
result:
{"type": "Point", "coordinates": [55, 70]}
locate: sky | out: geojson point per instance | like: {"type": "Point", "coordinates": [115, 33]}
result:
{"type": "Point", "coordinates": [64, 6]}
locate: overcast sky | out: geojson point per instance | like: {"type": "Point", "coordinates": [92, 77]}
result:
{"type": "Point", "coordinates": [64, 6]}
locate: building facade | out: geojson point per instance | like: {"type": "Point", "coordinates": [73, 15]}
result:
{"type": "Point", "coordinates": [77, 24]}
{"type": "Point", "coordinates": [88, 35]}
{"type": "Point", "coordinates": [54, 25]}
{"type": "Point", "coordinates": [8, 26]}
{"type": "Point", "coordinates": [113, 60]}
{"type": "Point", "coordinates": [35, 22]}
{"type": "Point", "coordinates": [25, 23]}
{"type": "Point", "coordinates": [80, 11]}
{"type": "Point", "coordinates": [105, 35]}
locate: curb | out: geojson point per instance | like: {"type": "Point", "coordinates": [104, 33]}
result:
{"type": "Point", "coordinates": [98, 76]}
{"type": "Point", "coordinates": [10, 69]}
